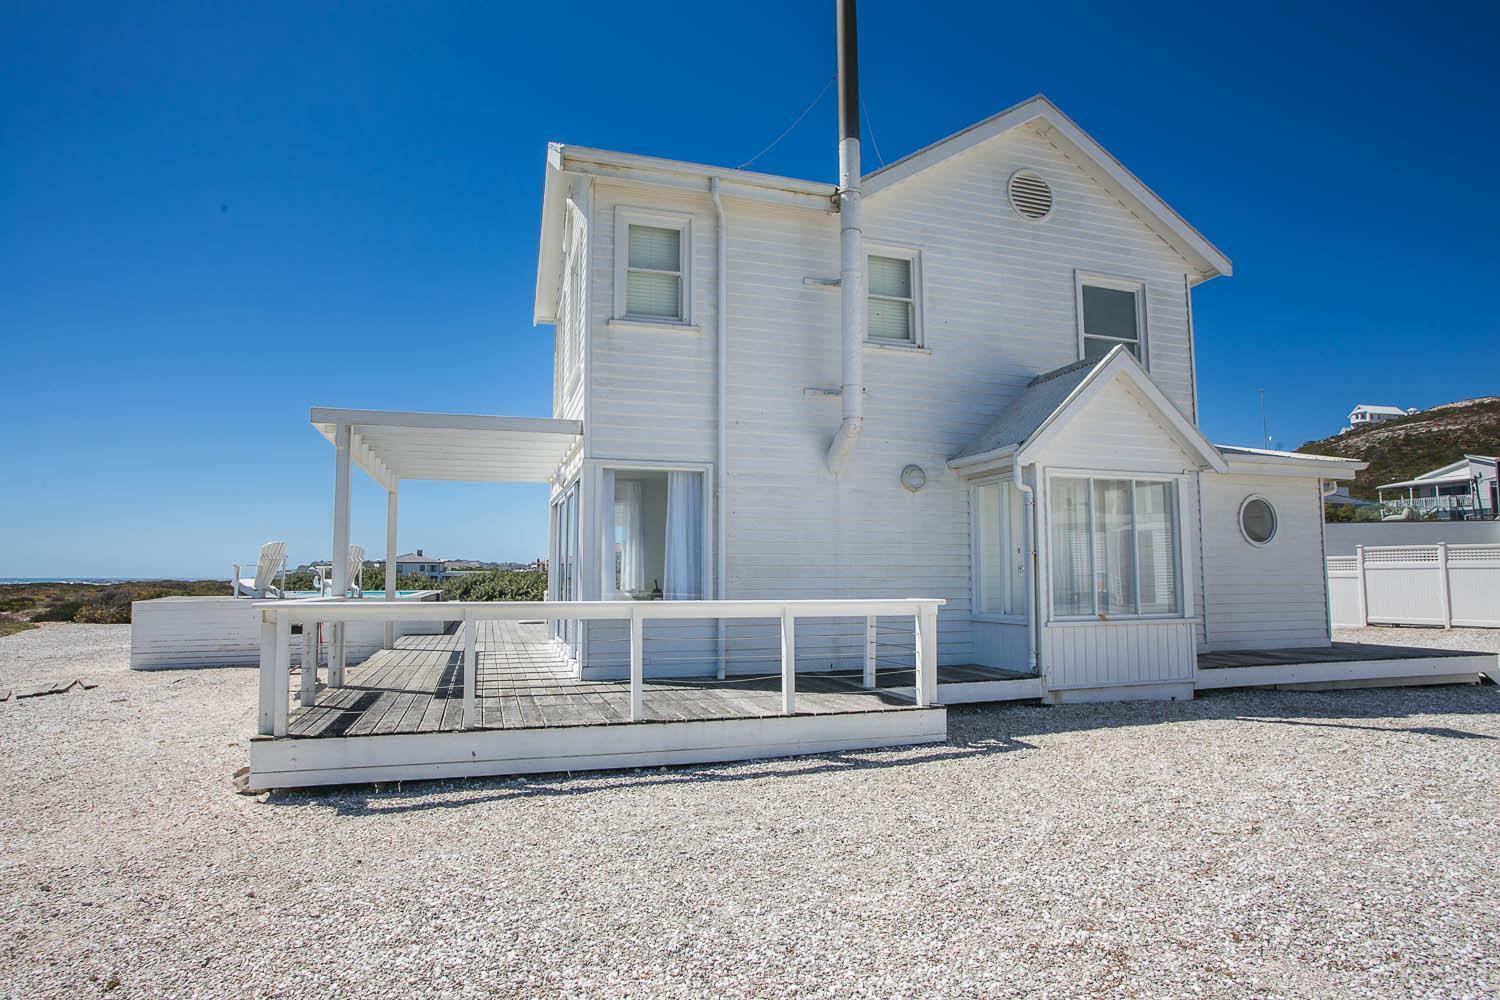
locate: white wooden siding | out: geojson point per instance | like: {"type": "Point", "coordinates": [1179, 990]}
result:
{"type": "Point", "coordinates": [1270, 596]}
{"type": "Point", "coordinates": [1104, 654]}
{"type": "Point", "coordinates": [998, 308]}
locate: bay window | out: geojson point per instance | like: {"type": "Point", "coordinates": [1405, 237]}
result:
{"type": "Point", "coordinates": [1114, 547]}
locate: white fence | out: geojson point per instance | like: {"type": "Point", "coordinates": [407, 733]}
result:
{"type": "Point", "coordinates": [278, 617]}
{"type": "Point", "coordinates": [1444, 585]}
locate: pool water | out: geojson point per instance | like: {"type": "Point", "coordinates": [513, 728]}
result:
{"type": "Point", "coordinates": [377, 594]}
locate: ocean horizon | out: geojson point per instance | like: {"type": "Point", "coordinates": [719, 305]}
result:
{"type": "Point", "coordinates": [99, 579]}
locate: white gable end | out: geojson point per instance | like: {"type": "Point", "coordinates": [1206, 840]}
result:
{"type": "Point", "coordinates": [1004, 286]}
{"type": "Point", "coordinates": [1117, 429]}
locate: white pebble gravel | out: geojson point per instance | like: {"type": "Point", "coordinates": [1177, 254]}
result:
{"type": "Point", "coordinates": [1266, 844]}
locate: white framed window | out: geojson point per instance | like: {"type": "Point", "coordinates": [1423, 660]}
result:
{"type": "Point", "coordinates": [1115, 547]}
{"type": "Point", "coordinates": [654, 525]}
{"type": "Point", "coordinates": [997, 539]}
{"type": "Point", "coordinates": [1257, 520]}
{"type": "Point", "coordinates": [894, 297]}
{"type": "Point", "coordinates": [1110, 311]}
{"type": "Point", "coordinates": [653, 266]}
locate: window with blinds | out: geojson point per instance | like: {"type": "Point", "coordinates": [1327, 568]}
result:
{"type": "Point", "coordinates": [892, 312]}
{"type": "Point", "coordinates": [653, 273]}
{"type": "Point", "coordinates": [1115, 547]}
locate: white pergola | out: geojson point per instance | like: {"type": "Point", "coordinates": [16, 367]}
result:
{"type": "Point", "coordinates": [390, 446]}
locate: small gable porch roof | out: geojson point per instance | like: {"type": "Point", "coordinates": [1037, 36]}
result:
{"type": "Point", "coordinates": [1023, 429]}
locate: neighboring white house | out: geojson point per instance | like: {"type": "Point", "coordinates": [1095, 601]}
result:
{"type": "Point", "coordinates": [1028, 448]}
{"type": "Point", "coordinates": [1460, 491]}
{"type": "Point", "coordinates": [419, 563]}
{"type": "Point", "coordinates": [1364, 415]}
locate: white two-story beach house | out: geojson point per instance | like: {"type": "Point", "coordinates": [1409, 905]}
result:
{"type": "Point", "coordinates": [1006, 419]}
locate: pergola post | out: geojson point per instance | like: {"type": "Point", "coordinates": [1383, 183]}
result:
{"type": "Point", "coordinates": [340, 554]}
{"type": "Point", "coordinates": [390, 559]}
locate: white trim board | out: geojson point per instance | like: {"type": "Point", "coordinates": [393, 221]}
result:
{"type": "Point", "coordinates": [289, 763]}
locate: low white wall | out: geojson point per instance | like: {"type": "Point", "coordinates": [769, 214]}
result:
{"type": "Point", "coordinates": [1340, 539]}
{"type": "Point", "coordinates": [225, 631]}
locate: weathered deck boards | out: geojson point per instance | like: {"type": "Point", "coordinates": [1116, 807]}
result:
{"type": "Point", "coordinates": [1339, 652]}
{"type": "Point", "coordinates": [525, 683]}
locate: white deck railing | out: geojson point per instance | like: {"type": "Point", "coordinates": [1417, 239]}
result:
{"type": "Point", "coordinates": [278, 617]}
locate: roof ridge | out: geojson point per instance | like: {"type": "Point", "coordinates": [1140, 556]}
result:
{"type": "Point", "coordinates": [1064, 370]}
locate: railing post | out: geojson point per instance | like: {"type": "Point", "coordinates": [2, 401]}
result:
{"type": "Point", "coordinates": [309, 664]}
{"type": "Point", "coordinates": [1359, 572]}
{"type": "Point", "coordinates": [637, 666]}
{"type": "Point", "coordinates": [926, 643]}
{"type": "Point", "coordinates": [872, 628]}
{"type": "Point", "coordinates": [336, 656]}
{"type": "Point", "coordinates": [788, 662]}
{"type": "Point", "coordinates": [471, 710]}
{"type": "Point", "coordinates": [1445, 589]}
{"type": "Point", "coordinates": [267, 723]}
{"type": "Point", "coordinates": [283, 673]}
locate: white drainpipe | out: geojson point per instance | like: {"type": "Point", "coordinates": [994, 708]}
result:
{"type": "Point", "coordinates": [1028, 527]}
{"type": "Point", "coordinates": [851, 243]}
{"type": "Point", "coordinates": [721, 475]}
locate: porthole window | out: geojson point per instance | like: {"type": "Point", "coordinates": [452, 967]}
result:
{"type": "Point", "coordinates": [1257, 520]}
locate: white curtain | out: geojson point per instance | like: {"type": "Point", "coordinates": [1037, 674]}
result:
{"type": "Point", "coordinates": [606, 521]}
{"type": "Point", "coordinates": [627, 518]}
{"type": "Point", "coordinates": [684, 557]}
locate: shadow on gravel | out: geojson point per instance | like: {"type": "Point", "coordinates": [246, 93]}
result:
{"type": "Point", "coordinates": [387, 799]}
{"type": "Point", "coordinates": [974, 731]}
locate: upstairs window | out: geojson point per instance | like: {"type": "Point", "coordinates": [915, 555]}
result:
{"type": "Point", "coordinates": [893, 314]}
{"type": "Point", "coordinates": [1110, 312]}
{"type": "Point", "coordinates": [652, 266]}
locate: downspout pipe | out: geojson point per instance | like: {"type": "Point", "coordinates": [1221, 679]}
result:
{"type": "Point", "coordinates": [851, 245]}
{"type": "Point", "coordinates": [1028, 529]}
{"type": "Point", "coordinates": [721, 364]}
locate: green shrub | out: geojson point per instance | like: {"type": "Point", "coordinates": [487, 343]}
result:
{"type": "Point", "coordinates": [499, 585]}
{"type": "Point", "coordinates": [63, 611]}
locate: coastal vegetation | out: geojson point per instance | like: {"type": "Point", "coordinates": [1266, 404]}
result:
{"type": "Point", "coordinates": [24, 605]}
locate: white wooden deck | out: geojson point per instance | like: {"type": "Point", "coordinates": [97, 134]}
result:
{"type": "Point", "coordinates": [399, 716]}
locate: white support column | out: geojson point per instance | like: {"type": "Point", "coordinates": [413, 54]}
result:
{"type": "Point", "coordinates": [340, 553]}
{"type": "Point", "coordinates": [788, 662]}
{"type": "Point", "coordinates": [283, 673]}
{"type": "Point", "coordinates": [637, 667]}
{"type": "Point", "coordinates": [267, 723]}
{"type": "Point", "coordinates": [1445, 588]}
{"type": "Point", "coordinates": [872, 635]}
{"type": "Point", "coordinates": [926, 680]}
{"type": "Point", "coordinates": [309, 663]}
{"type": "Point", "coordinates": [471, 673]}
{"type": "Point", "coordinates": [1359, 573]}
{"type": "Point", "coordinates": [390, 559]}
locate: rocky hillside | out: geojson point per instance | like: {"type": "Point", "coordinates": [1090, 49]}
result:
{"type": "Point", "coordinates": [1408, 446]}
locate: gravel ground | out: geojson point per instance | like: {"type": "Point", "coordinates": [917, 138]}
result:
{"type": "Point", "coordinates": [1245, 844]}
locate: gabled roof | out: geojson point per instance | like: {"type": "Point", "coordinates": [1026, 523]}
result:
{"type": "Point", "coordinates": [1395, 411]}
{"type": "Point", "coordinates": [565, 160]}
{"type": "Point", "coordinates": [416, 557]}
{"type": "Point", "coordinates": [1121, 182]}
{"type": "Point", "coordinates": [1041, 410]}
{"type": "Point", "coordinates": [1453, 472]}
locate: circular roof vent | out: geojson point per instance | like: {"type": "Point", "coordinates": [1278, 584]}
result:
{"type": "Point", "coordinates": [1030, 196]}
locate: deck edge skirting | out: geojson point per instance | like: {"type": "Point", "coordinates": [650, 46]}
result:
{"type": "Point", "coordinates": [287, 763]}
{"type": "Point", "coordinates": [1347, 670]}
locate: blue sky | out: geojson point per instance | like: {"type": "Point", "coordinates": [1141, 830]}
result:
{"type": "Point", "coordinates": [213, 216]}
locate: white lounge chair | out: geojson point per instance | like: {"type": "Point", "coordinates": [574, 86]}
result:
{"type": "Point", "coordinates": [356, 573]}
{"type": "Point", "coordinates": [263, 585]}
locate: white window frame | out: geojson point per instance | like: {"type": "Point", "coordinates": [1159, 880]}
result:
{"type": "Point", "coordinates": [596, 467]}
{"type": "Point", "coordinates": [975, 612]}
{"type": "Point", "coordinates": [625, 217]}
{"type": "Point", "coordinates": [1239, 519]}
{"type": "Point", "coordinates": [1184, 610]}
{"type": "Point", "coordinates": [913, 256]}
{"type": "Point", "coordinates": [1121, 284]}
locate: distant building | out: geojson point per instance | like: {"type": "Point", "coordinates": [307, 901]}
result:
{"type": "Point", "coordinates": [1364, 415]}
{"type": "Point", "coordinates": [1461, 491]}
{"type": "Point", "coordinates": [419, 563]}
